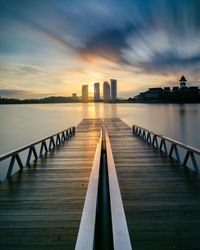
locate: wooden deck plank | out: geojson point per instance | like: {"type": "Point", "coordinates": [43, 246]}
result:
{"type": "Point", "coordinates": [161, 201]}
{"type": "Point", "coordinates": [41, 207]}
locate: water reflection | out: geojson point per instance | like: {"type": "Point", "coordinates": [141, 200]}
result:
{"type": "Point", "coordinates": [22, 124]}
{"type": "Point", "coordinates": [183, 121]}
{"type": "Point", "coordinates": [99, 110]}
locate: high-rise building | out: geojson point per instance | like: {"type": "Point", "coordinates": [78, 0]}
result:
{"type": "Point", "coordinates": [84, 93]}
{"type": "Point", "coordinates": [106, 92]}
{"type": "Point", "coordinates": [96, 92]}
{"type": "Point", "coordinates": [113, 90]}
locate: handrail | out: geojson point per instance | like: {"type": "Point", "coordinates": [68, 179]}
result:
{"type": "Point", "coordinates": [86, 233]}
{"type": "Point", "coordinates": [61, 137]}
{"type": "Point", "coordinates": [121, 239]}
{"type": "Point", "coordinates": [152, 139]}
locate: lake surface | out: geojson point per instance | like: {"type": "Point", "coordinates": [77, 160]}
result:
{"type": "Point", "coordinates": [22, 124]}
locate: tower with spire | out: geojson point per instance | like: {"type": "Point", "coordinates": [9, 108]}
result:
{"type": "Point", "coordinates": [183, 81]}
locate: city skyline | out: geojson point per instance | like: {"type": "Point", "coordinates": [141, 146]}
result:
{"type": "Point", "coordinates": [52, 47]}
{"type": "Point", "coordinates": [105, 91]}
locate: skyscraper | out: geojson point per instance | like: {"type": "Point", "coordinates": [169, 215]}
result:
{"type": "Point", "coordinates": [106, 92]}
{"type": "Point", "coordinates": [84, 93]}
{"type": "Point", "coordinates": [96, 92]}
{"type": "Point", "coordinates": [113, 90]}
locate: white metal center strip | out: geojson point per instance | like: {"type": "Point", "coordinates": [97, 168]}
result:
{"type": "Point", "coordinates": [85, 239]}
{"type": "Point", "coordinates": [121, 239]}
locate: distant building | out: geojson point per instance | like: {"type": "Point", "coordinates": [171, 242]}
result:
{"type": "Point", "coordinates": [175, 89]}
{"type": "Point", "coordinates": [96, 92]}
{"type": "Point", "coordinates": [74, 97]}
{"type": "Point", "coordinates": [182, 94]}
{"type": "Point", "coordinates": [113, 90]}
{"type": "Point", "coordinates": [84, 93]}
{"type": "Point", "coordinates": [106, 92]}
{"type": "Point", "coordinates": [153, 93]}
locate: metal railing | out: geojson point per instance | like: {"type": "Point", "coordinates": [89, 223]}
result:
{"type": "Point", "coordinates": [89, 235]}
{"type": "Point", "coordinates": [170, 147]}
{"type": "Point", "coordinates": [121, 238]}
{"type": "Point", "coordinates": [86, 233]}
{"type": "Point", "coordinates": [45, 145]}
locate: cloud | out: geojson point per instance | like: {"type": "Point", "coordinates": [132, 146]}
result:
{"type": "Point", "coordinates": [107, 44]}
{"type": "Point", "coordinates": [22, 94]}
{"type": "Point", "coordinates": [14, 93]}
{"type": "Point", "coordinates": [49, 39]}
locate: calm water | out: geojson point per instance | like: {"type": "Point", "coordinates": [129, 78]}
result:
{"type": "Point", "coordinates": [22, 124]}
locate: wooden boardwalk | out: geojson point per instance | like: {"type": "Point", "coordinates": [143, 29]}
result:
{"type": "Point", "coordinates": [41, 207]}
{"type": "Point", "coordinates": [161, 201]}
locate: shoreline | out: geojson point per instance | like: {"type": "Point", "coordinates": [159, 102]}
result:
{"type": "Point", "coordinates": [112, 103]}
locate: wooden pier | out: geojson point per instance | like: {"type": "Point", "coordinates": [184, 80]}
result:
{"type": "Point", "coordinates": [42, 205]}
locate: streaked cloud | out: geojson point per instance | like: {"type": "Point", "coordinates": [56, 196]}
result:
{"type": "Point", "coordinates": [55, 46]}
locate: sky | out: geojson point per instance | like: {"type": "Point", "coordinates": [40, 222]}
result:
{"type": "Point", "coordinates": [52, 47]}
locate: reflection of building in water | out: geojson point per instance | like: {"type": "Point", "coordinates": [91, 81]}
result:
{"type": "Point", "coordinates": [177, 94]}
{"type": "Point", "coordinates": [96, 92]}
{"type": "Point", "coordinates": [183, 122]}
{"type": "Point", "coordinates": [106, 92]}
{"type": "Point", "coordinates": [113, 89]}
{"type": "Point", "coordinates": [99, 110]}
{"type": "Point", "coordinates": [85, 93]}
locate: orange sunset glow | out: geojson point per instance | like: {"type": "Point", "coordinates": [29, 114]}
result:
{"type": "Point", "coordinates": [52, 52]}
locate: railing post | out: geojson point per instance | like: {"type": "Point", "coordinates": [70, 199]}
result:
{"type": "Point", "coordinates": [163, 143]}
{"type": "Point", "coordinates": [52, 142]}
{"type": "Point", "coordinates": [43, 146]}
{"type": "Point", "coordinates": [133, 129]}
{"type": "Point", "coordinates": [148, 138]}
{"type": "Point", "coordinates": [144, 135]}
{"type": "Point", "coordinates": [63, 137]}
{"type": "Point", "coordinates": [194, 162]}
{"type": "Point", "coordinates": [171, 150]}
{"type": "Point", "coordinates": [34, 152]}
{"type": "Point", "coordinates": [10, 168]}
{"type": "Point", "coordinates": [41, 149]}
{"type": "Point", "coordinates": [54, 145]}
{"type": "Point", "coordinates": [67, 135]}
{"type": "Point", "coordinates": [177, 153]}
{"type": "Point", "coordinates": [174, 148]}
{"type": "Point", "coordinates": [19, 161]}
{"type": "Point", "coordinates": [29, 156]}
{"type": "Point", "coordinates": [155, 140]}
{"type": "Point", "coordinates": [57, 139]}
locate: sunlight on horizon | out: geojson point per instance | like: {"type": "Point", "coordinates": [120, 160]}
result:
{"type": "Point", "coordinates": [46, 51]}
